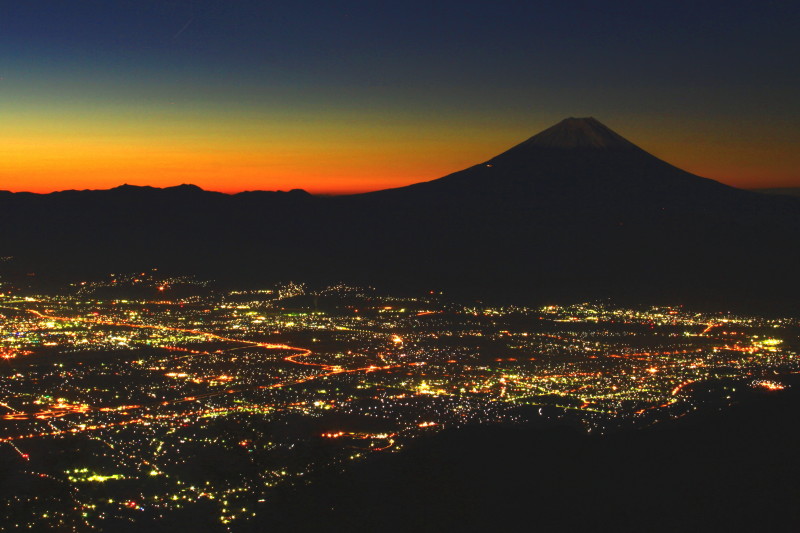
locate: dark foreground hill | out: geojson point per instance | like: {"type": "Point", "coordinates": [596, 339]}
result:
{"type": "Point", "coordinates": [574, 212]}
{"type": "Point", "coordinates": [730, 470]}
{"type": "Point", "coordinates": [734, 470]}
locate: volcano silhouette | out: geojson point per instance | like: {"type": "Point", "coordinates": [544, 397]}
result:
{"type": "Point", "coordinates": [577, 157]}
{"type": "Point", "coordinates": [577, 209]}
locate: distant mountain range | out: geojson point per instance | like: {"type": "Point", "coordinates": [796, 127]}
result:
{"type": "Point", "coordinates": [576, 211]}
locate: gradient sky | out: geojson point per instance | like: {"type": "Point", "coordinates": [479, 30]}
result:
{"type": "Point", "coordinates": [339, 97]}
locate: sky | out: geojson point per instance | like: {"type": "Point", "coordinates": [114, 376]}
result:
{"type": "Point", "coordinates": [338, 97]}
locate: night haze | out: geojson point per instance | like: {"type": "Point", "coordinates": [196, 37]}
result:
{"type": "Point", "coordinates": [443, 266]}
{"type": "Point", "coordinates": [349, 97]}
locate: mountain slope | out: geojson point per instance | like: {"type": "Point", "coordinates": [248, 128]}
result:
{"type": "Point", "coordinates": [577, 133]}
{"type": "Point", "coordinates": [575, 153]}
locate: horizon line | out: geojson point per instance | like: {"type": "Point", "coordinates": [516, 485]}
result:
{"type": "Point", "coordinates": [284, 191]}
{"type": "Point", "coordinates": [347, 192]}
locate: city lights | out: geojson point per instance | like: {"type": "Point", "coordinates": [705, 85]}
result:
{"type": "Point", "coordinates": [134, 394]}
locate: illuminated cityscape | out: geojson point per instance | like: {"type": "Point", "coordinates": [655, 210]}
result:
{"type": "Point", "coordinates": [140, 396]}
{"type": "Point", "coordinates": [399, 266]}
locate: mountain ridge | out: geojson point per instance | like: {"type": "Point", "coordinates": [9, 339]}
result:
{"type": "Point", "coordinates": [537, 222]}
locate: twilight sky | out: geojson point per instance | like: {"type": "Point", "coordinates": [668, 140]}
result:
{"type": "Point", "coordinates": [339, 97]}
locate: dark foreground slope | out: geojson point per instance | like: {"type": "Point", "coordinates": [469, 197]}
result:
{"type": "Point", "coordinates": [574, 212]}
{"type": "Point", "coordinates": [733, 470]}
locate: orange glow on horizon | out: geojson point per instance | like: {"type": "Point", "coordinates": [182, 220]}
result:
{"type": "Point", "coordinates": [50, 161]}
{"type": "Point", "coordinates": [238, 178]}
{"type": "Point", "coordinates": [48, 165]}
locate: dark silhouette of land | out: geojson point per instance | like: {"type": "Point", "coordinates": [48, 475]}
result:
{"type": "Point", "coordinates": [576, 211]}
{"type": "Point", "coordinates": [734, 469]}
